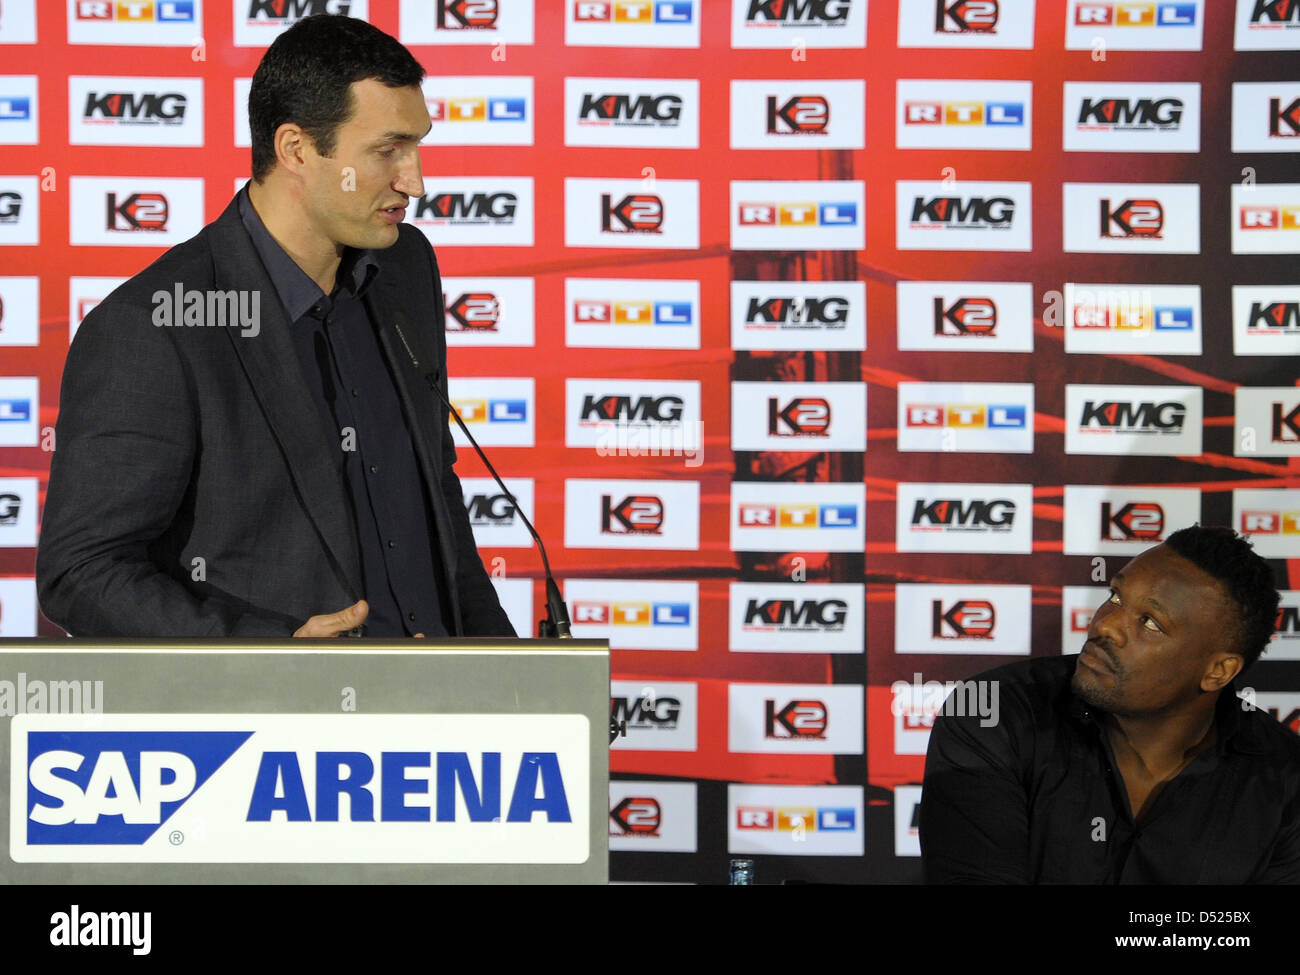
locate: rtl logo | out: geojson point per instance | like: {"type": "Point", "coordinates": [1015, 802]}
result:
{"type": "Point", "coordinates": [966, 619]}
{"type": "Point", "coordinates": [492, 410]}
{"type": "Point", "coordinates": [624, 613]}
{"type": "Point", "coordinates": [1284, 122]}
{"type": "Point", "coordinates": [1275, 12]}
{"type": "Point", "coordinates": [137, 11]}
{"type": "Point", "coordinates": [636, 514]}
{"type": "Point", "coordinates": [1270, 218]}
{"type": "Point", "coordinates": [1135, 14]}
{"type": "Point", "coordinates": [786, 311]}
{"type": "Point", "coordinates": [472, 108]}
{"type": "Point", "coordinates": [1132, 218]}
{"type": "Point", "coordinates": [466, 15]}
{"type": "Point", "coordinates": [965, 316]}
{"type": "Point", "coordinates": [139, 211]}
{"type": "Point", "coordinates": [633, 12]}
{"type": "Point", "coordinates": [798, 719]}
{"type": "Point", "coordinates": [798, 115]}
{"type": "Point", "coordinates": [798, 214]}
{"type": "Point", "coordinates": [473, 311]}
{"type": "Point", "coordinates": [15, 108]}
{"type": "Point", "coordinates": [1286, 426]}
{"type": "Point", "coordinates": [607, 109]}
{"type": "Point", "coordinates": [955, 211]}
{"type": "Point", "coordinates": [803, 416]}
{"type": "Point", "coordinates": [1081, 619]}
{"type": "Point", "coordinates": [798, 516]}
{"type": "Point", "coordinates": [641, 409]}
{"type": "Point", "coordinates": [1259, 522]}
{"type": "Point", "coordinates": [636, 816]}
{"type": "Point", "coordinates": [811, 12]}
{"type": "Point", "coordinates": [632, 312]}
{"type": "Point", "coordinates": [1117, 416]}
{"type": "Point", "coordinates": [802, 614]}
{"type": "Point", "coordinates": [1132, 113]}
{"type": "Point", "coordinates": [636, 213]}
{"type": "Point", "coordinates": [976, 513]}
{"type": "Point", "coordinates": [291, 10]}
{"type": "Point", "coordinates": [966, 16]}
{"type": "Point", "coordinates": [964, 113]}
{"type": "Point", "coordinates": [966, 415]}
{"type": "Point", "coordinates": [490, 509]}
{"type": "Point", "coordinates": [1274, 315]}
{"type": "Point", "coordinates": [127, 105]}
{"type": "Point", "coordinates": [1135, 521]}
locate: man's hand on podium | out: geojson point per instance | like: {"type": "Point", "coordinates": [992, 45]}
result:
{"type": "Point", "coordinates": [335, 624]}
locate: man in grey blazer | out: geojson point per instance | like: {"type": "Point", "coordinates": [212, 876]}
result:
{"type": "Point", "coordinates": [290, 472]}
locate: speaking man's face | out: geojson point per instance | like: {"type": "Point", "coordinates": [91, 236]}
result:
{"type": "Point", "coordinates": [1153, 641]}
{"type": "Point", "coordinates": [357, 196]}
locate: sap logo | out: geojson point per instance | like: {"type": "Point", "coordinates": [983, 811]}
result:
{"type": "Point", "coordinates": [799, 819]}
{"type": "Point", "coordinates": [955, 211]}
{"type": "Point", "coordinates": [623, 109]}
{"type": "Point", "coordinates": [287, 11]}
{"type": "Point", "coordinates": [473, 311]}
{"type": "Point", "coordinates": [1275, 12]}
{"type": "Point", "coordinates": [963, 113]}
{"type": "Point", "coordinates": [631, 613]}
{"type": "Point", "coordinates": [1274, 315]}
{"type": "Point", "coordinates": [966, 16]}
{"type": "Point", "coordinates": [1260, 522]}
{"type": "Point", "coordinates": [647, 712]}
{"type": "Point", "coordinates": [1135, 521]}
{"type": "Point", "coordinates": [139, 211]}
{"type": "Point", "coordinates": [641, 409]}
{"type": "Point", "coordinates": [15, 108]}
{"type": "Point", "coordinates": [798, 214]}
{"type": "Point", "coordinates": [633, 312]}
{"type": "Point", "coordinates": [466, 15]}
{"type": "Point", "coordinates": [819, 13]}
{"type": "Point", "coordinates": [1134, 317]}
{"type": "Point", "coordinates": [477, 109]}
{"type": "Point", "coordinates": [955, 513]}
{"type": "Point", "coordinates": [1127, 417]}
{"type": "Point", "coordinates": [636, 514]}
{"type": "Point", "coordinates": [798, 516]}
{"type": "Point", "coordinates": [636, 213]}
{"type": "Point", "coordinates": [168, 107]}
{"type": "Point", "coordinates": [797, 311]}
{"type": "Point", "coordinates": [15, 411]}
{"type": "Point", "coordinates": [11, 205]}
{"type": "Point", "coordinates": [463, 208]}
{"type": "Point", "coordinates": [803, 416]}
{"type": "Point", "coordinates": [966, 415]}
{"type": "Point", "coordinates": [279, 788]}
{"type": "Point", "coordinates": [10, 505]}
{"type": "Point", "coordinates": [798, 115]}
{"type": "Point", "coordinates": [1132, 219]}
{"type": "Point", "coordinates": [1130, 113]}
{"type": "Point", "coordinates": [628, 12]}
{"type": "Point", "coordinates": [1284, 123]}
{"type": "Point", "coordinates": [636, 816]}
{"type": "Point", "coordinates": [492, 410]}
{"type": "Point", "coordinates": [116, 787]}
{"type": "Point", "coordinates": [1270, 218]}
{"type": "Point", "coordinates": [137, 11]}
{"type": "Point", "coordinates": [490, 509]}
{"type": "Point", "coordinates": [966, 619]}
{"type": "Point", "coordinates": [796, 614]}
{"type": "Point", "coordinates": [1286, 426]}
{"type": "Point", "coordinates": [798, 719]}
{"type": "Point", "coordinates": [965, 316]}
{"type": "Point", "coordinates": [1135, 14]}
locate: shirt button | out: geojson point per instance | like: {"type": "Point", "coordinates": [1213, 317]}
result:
{"type": "Point", "coordinates": [411, 617]}
{"type": "Point", "coordinates": [374, 468]}
{"type": "Point", "coordinates": [392, 544]}
{"type": "Point", "coordinates": [354, 391]}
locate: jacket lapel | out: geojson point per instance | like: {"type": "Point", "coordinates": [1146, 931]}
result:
{"type": "Point", "coordinates": [271, 364]}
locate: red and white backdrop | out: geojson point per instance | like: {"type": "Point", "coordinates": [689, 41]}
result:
{"type": "Point", "coordinates": [840, 349]}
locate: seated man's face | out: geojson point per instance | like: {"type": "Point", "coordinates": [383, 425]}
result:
{"type": "Point", "coordinates": [1150, 644]}
{"type": "Point", "coordinates": [356, 196]}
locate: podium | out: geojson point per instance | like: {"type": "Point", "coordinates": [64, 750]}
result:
{"type": "Point", "coordinates": [304, 761]}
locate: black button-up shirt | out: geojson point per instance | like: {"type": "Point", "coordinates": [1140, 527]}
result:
{"type": "Point", "coordinates": [1037, 798]}
{"type": "Point", "coordinates": [355, 394]}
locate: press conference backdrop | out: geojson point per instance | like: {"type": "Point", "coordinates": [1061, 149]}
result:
{"type": "Point", "coordinates": [841, 349]}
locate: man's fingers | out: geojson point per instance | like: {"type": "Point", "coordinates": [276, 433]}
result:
{"type": "Point", "coordinates": [332, 624]}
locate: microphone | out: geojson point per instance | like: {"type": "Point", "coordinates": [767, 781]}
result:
{"type": "Point", "coordinates": [556, 623]}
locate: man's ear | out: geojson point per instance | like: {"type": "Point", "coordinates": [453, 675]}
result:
{"type": "Point", "coordinates": [1224, 666]}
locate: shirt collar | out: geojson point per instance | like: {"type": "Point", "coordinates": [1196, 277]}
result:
{"type": "Point", "coordinates": [299, 293]}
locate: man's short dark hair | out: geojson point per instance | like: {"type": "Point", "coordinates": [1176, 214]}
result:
{"type": "Point", "coordinates": [305, 75]}
{"type": "Point", "coordinates": [1229, 558]}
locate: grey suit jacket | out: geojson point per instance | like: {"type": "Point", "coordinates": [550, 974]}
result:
{"type": "Point", "coordinates": [193, 491]}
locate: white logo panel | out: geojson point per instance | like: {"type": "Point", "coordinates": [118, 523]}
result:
{"type": "Point", "coordinates": [966, 417]}
{"type": "Point", "coordinates": [962, 618]}
{"type": "Point", "coordinates": [798, 719]}
{"type": "Point", "coordinates": [949, 517]}
{"type": "Point", "coordinates": [627, 514]}
{"type": "Point", "coordinates": [1118, 520]}
{"type": "Point", "coordinates": [797, 617]}
{"type": "Point", "coordinates": [799, 416]}
{"type": "Point", "coordinates": [783, 517]}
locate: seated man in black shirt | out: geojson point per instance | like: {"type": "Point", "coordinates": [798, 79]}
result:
{"type": "Point", "coordinates": [1134, 762]}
